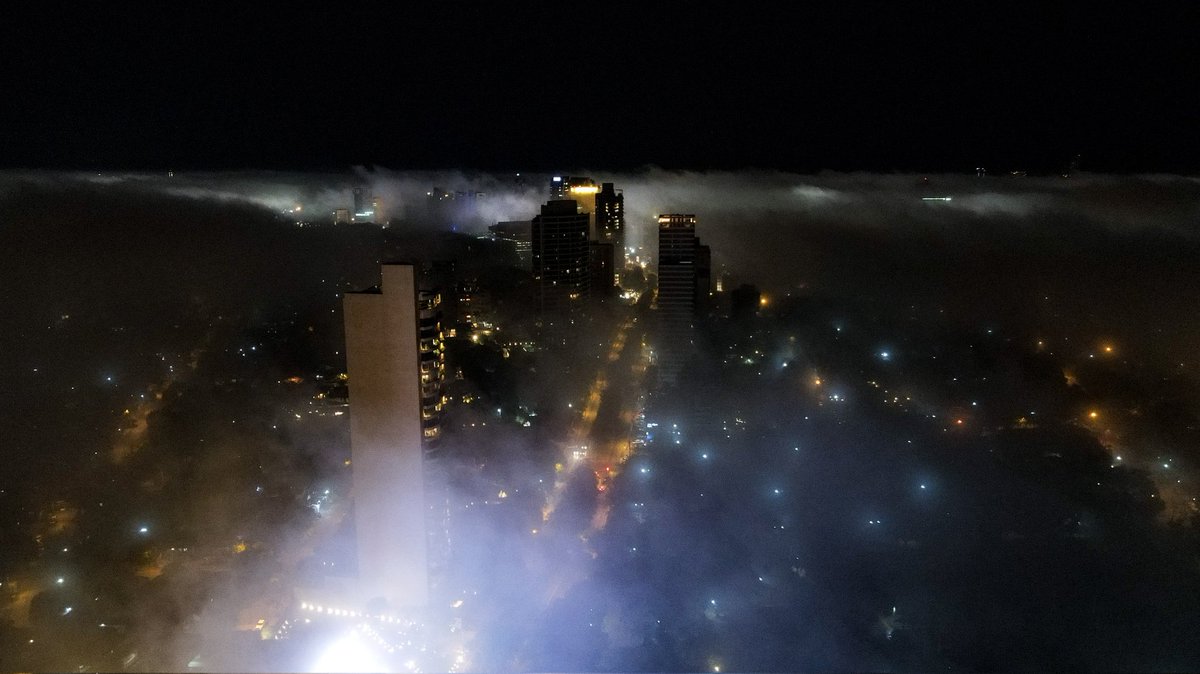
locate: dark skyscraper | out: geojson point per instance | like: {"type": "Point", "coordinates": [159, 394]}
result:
{"type": "Point", "coordinates": [600, 266]}
{"type": "Point", "coordinates": [744, 302]}
{"type": "Point", "coordinates": [560, 255]}
{"type": "Point", "coordinates": [678, 283]}
{"type": "Point", "coordinates": [362, 205]}
{"type": "Point", "coordinates": [703, 278]}
{"type": "Point", "coordinates": [610, 221]}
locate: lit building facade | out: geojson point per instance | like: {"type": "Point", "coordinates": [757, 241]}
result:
{"type": "Point", "coordinates": [583, 191]}
{"type": "Point", "coordinates": [561, 270]}
{"type": "Point", "coordinates": [383, 360]}
{"type": "Point", "coordinates": [572, 187]}
{"type": "Point", "coordinates": [610, 220]}
{"type": "Point", "coordinates": [433, 364]}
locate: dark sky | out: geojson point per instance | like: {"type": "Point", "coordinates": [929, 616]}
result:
{"type": "Point", "coordinates": [936, 87]}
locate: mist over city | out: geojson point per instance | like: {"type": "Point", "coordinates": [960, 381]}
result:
{"type": "Point", "coordinates": [923, 421]}
{"type": "Point", "coordinates": [467, 337]}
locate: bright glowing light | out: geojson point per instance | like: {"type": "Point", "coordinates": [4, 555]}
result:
{"type": "Point", "coordinates": [348, 654]}
{"type": "Point", "coordinates": [585, 189]}
{"type": "Point", "coordinates": [1093, 414]}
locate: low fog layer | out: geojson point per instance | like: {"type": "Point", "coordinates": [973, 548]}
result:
{"type": "Point", "coordinates": [152, 323]}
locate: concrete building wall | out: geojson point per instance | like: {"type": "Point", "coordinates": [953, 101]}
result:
{"type": "Point", "coordinates": [385, 439]}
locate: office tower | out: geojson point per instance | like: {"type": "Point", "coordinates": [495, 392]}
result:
{"type": "Point", "coordinates": [744, 301]}
{"type": "Point", "coordinates": [570, 187]}
{"type": "Point", "coordinates": [433, 363]}
{"type": "Point", "coordinates": [377, 211]}
{"type": "Point", "coordinates": [442, 276]}
{"type": "Point", "coordinates": [560, 255]}
{"type": "Point", "coordinates": [362, 206]}
{"type": "Point", "coordinates": [518, 234]}
{"type": "Point", "coordinates": [383, 363]}
{"type": "Point", "coordinates": [677, 289]}
{"type": "Point", "coordinates": [610, 221]}
{"type": "Point", "coordinates": [602, 281]}
{"type": "Point", "coordinates": [582, 190]}
{"type": "Point", "coordinates": [703, 278]}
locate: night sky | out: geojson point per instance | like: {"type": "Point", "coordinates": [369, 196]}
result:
{"type": "Point", "coordinates": [870, 86]}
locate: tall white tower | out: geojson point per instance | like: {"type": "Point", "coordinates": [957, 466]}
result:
{"type": "Point", "coordinates": [383, 364]}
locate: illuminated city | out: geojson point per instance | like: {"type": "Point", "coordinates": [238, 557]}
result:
{"type": "Point", "coordinates": [404, 353]}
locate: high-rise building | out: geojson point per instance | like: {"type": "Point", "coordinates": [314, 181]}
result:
{"type": "Point", "coordinates": [560, 255]}
{"type": "Point", "coordinates": [678, 283]}
{"type": "Point", "coordinates": [384, 366]}
{"type": "Point", "coordinates": [703, 278]}
{"type": "Point", "coordinates": [433, 363]}
{"type": "Point", "coordinates": [519, 235]}
{"type": "Point", "coordinates": [610, 220]}
{"type": "Point", "coordinates": [571, 187]}
{"type": "Point", "coordinates": [377, 211]}
{"type": "Point", "coordinates": [744, 301]}
{"type": "Point", "coordinates": [582, 190]}
{"type": "Point", "coordinates": [602, 283]}
{"type": "Point", "coordinates": [362, 205]}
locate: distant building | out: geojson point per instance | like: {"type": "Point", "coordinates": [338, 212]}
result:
{"type": "Point", "coordinates": [377, 211]}
{"type": "Point", "coordinates": [583, 191]}
{"type": "Point", "coordinates": [610, 220]}
{"type": "Point", "coordinates": [560, 255]}
{"type": "Point", "coordinates": [572, 187]}
{"type": "Point", "coordinates": [602, 283]}
{"type": "Point", "coordinates": [517, 233]}
{"type": "Point", "coordinates": [679, 278]}
{"type": "Point", "coordinates": [341, 216]}
{"type": "Point", "coordinates": [744, 301]}
{"type": "Point", "coordinates": [703, 278]}
{"type": "Point", "coordinates": [383, 360]}
{"type": "Point", "coordinates": [362, 206]}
